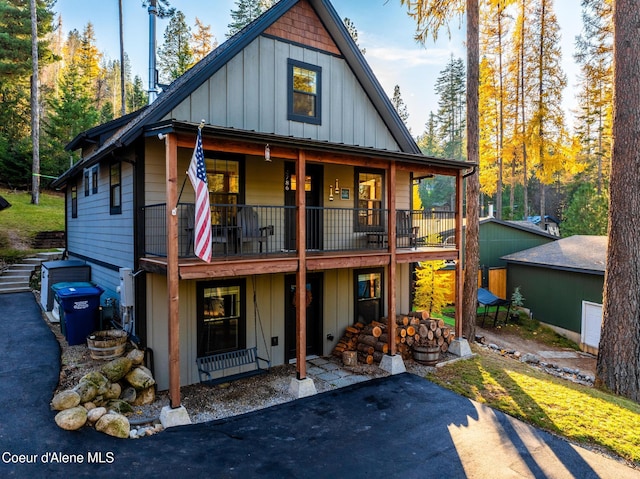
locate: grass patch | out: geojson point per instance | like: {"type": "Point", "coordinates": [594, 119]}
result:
{"type": "Point", "coordinates": [584, 415]}
{"type": "Point", "coordinates": [23, 220]}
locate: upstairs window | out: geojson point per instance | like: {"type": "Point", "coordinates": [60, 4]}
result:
{"type": "Point", "coordinates": [94, 180]}
{"type": "Point", "coordinates": [304, 92]}
{"type": "Point", "coordinates": [74, 200]}
{"type": "Point", "coordinates": [115, 189]}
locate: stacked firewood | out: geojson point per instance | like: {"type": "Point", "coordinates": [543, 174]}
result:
{"type": "Point", "coordinates": [370, 341]}
{"type": "Point", "coordinates": [417, 329]}
{"type": "Point", "coordinates": [349, 341]}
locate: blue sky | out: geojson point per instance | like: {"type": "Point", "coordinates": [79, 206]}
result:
{"type": "Point", "coordinates": [384, 29]}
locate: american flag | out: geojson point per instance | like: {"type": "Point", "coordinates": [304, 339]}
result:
{"type": "Point", "coordinates": [198, 175]}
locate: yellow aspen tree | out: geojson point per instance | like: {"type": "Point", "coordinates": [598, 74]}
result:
{"type": "Point", "coordinates": [202, 41]}
{"type": "Point", "coordinates": [489, 128]}
{"type": "Point", "coordinates": [432, 288]}
{"type": "Point", "coordinates": [547, 127]}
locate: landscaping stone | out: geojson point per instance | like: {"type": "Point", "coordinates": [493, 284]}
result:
{"type": "Point", "coordinates": [145, 396]}
{"type": "Point", "coordinates": [136, 356]}
{"type": "Point", "coordinates": [119, 406]}
{"type": "Point", "coordinates": [95, 414]}
{"type": "Point", "coordinates": [87, 391]}
{"type": "Point", "coordinates": [71, 419]}
{"type": "Point", "coordinates": [115, 425]}
{"type": "Point", "coordinates": [117, 369]}
{"type": "Point", "coordinates": [65, 400]}
{"type": "Point", "coordinates": [140, 378]}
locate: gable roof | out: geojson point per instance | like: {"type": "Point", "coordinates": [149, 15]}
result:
{"type": "Point", "coordinates": [581, 253]}
{"type": "Point", "coordinates": [526, 226]}
{"type": "Point", "coordinates": [183, 86]}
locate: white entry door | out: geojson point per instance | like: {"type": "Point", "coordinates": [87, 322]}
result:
{"type": "Point", "coordinates": [591, 323]}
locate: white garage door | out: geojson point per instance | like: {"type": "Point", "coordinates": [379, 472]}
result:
{"type": "Point", "coordinates": [591, 323]}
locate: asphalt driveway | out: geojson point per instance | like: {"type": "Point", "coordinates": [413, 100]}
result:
{"type": "Point", "coordinates": [399, 426]}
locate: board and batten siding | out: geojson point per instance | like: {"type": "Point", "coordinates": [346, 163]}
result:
{"type": "Point", "coordinates": [99, 235]}
{"type": "Point", "coordinates": [250, 93]}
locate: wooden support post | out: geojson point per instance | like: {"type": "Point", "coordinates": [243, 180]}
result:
{"type": "Point", "coordinates": [391, 299]}
{"type": "Point", "coordinates": [301, 276]}
{"type": "Point", "coordinates": [171, 159]}
{"type": "Point", "coordinates": [459, 284]}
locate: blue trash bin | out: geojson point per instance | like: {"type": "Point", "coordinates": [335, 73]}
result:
{"type": "Point", "coordinates": [80, 305]}
{"type": "Point", "coordinates": [57, 311]}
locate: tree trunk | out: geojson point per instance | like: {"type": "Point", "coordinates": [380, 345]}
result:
{"type": "Point", "coordinates": [472, 253]}
{"type": "Point", "coordinates": [35, 109]}
{"type": "Point", "coordinates": [618, 366]}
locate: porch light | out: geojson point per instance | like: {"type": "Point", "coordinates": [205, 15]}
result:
{"type": "Point", "coordinates": [267, 153]}
{"type": "Point", "coordinates": [337, 187]}
{"type": "Point", "coordinates": [330, 193]}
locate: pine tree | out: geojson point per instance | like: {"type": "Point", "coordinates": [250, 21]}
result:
{"type": "Point", "coordinates": [247, 11]}
{"type": "Point", "coordinates": [353, 32]}
{"type": "Point", "coordinates": [594, 54]}
{"type": "Point", "coordinates": [203, 41]}
{"type": "Point", "coordinates": [15, 73]}
{"type": "Point", "coordinates": [587, 212]}
{"type": "Point", "coordinates": [399, 105]}
{"type": "Point", "coordinates": [429, 142]}
{"type": "Point", "coordinates": [69, 114]}
{"type": "Point", "coordinates": [175, 56]}
{"type": "Point", "coordinates": [136, 95]}
{"type": "Point", "coordinates": [450, 87]}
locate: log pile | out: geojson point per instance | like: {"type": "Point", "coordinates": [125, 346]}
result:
{"type": "Point", "coordinates": [371, 341]}
{"type": "Point", "coordinates": [418, 329]}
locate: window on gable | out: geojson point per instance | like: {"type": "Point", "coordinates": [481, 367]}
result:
{"type": "Point", "coordinates": [304, 81]}
{"type": "Point", "coordinates": [74, 201]}
{"type": "Point", "coordinates": [115, 189]}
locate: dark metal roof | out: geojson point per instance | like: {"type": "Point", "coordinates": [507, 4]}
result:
{"type": "Point", "coordinates": [183, 86]}
{"type": "Point", "coordinates": [586, 254]}
{"type": "Point", "coordinates": [520, 225]}
{"type": "Point", "coordinates": [306, 143]}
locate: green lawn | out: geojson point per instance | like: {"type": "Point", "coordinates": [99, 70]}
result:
{"type": "Point", "coordinates": [23, 220]}
{"type": "Point", "coordinates": [582, 414]}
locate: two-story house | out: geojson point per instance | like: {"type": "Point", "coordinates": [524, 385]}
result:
{"type": "Point", "coordinates": [310, 175]}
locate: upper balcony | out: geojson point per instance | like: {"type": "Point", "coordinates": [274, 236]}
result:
{"type": "Point", "coordinates": [250, 231]}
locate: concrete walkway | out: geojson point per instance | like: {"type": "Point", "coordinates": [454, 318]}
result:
{"type": "Point", "coordinates": [397, 426]}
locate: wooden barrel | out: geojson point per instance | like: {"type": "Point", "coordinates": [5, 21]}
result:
{"type": "Point", "coordinates": [428, 355]}
{"type": "Point", "coordinates": [107, 344]}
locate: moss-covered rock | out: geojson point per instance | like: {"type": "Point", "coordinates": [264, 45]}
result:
{"type": "Point", "coordinates": [65, 400]}
{"type": "Point", "coordinates": [136, 356]}
{"type": "Point", "coordinates": [113, 392]}
{"type": "Point", "coordinates": [140, 378]}
{"type": "Point", "coordinates": [145, 396]}
{"type": "Point", "coordinates": [115, 425]}
{"type": "Point", "coordinates": [117, 369]}
{"type": "Point", "coordinates": [87, 391]}
{"type": "Point", "coordinates": [119, 406]}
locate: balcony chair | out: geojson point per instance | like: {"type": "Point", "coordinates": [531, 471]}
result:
{"type": "Point", "coordinates": [405, 228]}
{"type": "Point", "coordinates": [250, 229]}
